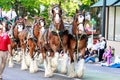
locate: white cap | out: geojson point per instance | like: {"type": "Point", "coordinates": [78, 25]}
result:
{"type": "Point", "coordinates": [100, 36]}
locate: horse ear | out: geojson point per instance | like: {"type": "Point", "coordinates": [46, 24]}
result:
{"type": "Point", "coordinates": [44, 21]}
{"type": "Point", "coordinates": [77, 10]}
{"type": "Point", "coordinates": [83, 12]}
{"type": "Point", "coordinates": [53, 4]}
{"type": "Point", "coordinates": [59, 3]}
{"type": "Point", "coordinates": [75, 19]}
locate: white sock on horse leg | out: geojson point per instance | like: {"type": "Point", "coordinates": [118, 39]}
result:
{"type": "Point", "coordinates": [54, 62]}
{"type": "Point", "coordinates": [23, 63]}
{"type": "Point", "coordinates": [11, 63]}
{"type": "Point", "coordinates": [31, 68]}
{"type": "Point", "coordinates": [80, 68]}
{"type": "Point", "coordinates": [48, 71]}
{"type": "Point", "coordinates": [40, 58]}
{"type": "Point", "coordinates": [63, 64]}
{"type": "Point", "coordinates": [71, 72]}
{"type": "Point", "coordinates": [35, 65]}
{"type": "Point", "coordinates": [18, 57]}
{"type": "Point", "coordinates": [28, 59]}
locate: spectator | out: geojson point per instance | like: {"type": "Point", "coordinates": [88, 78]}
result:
{"type": "Point", "coordinates": [11, 15]}
{"type": "Point", "coordinates": [96, 46]}
{"type": "Point", "coordinates": [5, 48]}
{"type": "Point", "coordinates": [107, 55]}
{"type": "Point", "coordinates": [87, 52]}
{"type": "Point", "coordinates": [102, 48]}
{"type": "Point", "coordinates": [92, 57]}
{"type": "Point", "coordinates": [2, 14]}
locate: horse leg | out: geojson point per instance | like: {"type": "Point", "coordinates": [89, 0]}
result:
{"type": "Point", "coordinates": [10, 63]}
{"type": "Point", "coordinates": [47, 65]}
{"type": "Point", "coordinates": [54, 61]}
{"type": "Point", "coordinates": [23, 64]}
{"type": "Point", "coordinates": [32, 68]}
{"type": "Point", "coordinates": [71, 71]}
{"type": "Point", "coordinates": [80, 64]}
{"type": "Point", "coordinates": [10, 58]}
{"type": "Point", "coordinates": [62, 67]}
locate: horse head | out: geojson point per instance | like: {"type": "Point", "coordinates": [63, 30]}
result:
{"type": "Point", "coordinates": [20, 25]}
{"type": "Point", "coordinates": [37, 27]}
{"type": "Point", "coordinates": [57, 16]}
{"type": "Point", "coordinates": [78, 21]}
{"type": "Point", "coordinates": [41, 22]}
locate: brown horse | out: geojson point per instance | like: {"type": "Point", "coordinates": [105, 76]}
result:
{"type": "Point", "coordinates": [77, 43]}
{"type": "Point", "coordinates": [57, 40]}
{"type": "Point", "coordinates": [19, 26]}
{"type": "Point", "coordinates": [15, 42]}
{"type": "Point", "coordinates": [23, 45]}
{"type": "Point", "coordinates": [33, 41]}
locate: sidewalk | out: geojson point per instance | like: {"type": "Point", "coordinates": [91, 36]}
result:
{"type": "Point", "coordinates": [97, 72]}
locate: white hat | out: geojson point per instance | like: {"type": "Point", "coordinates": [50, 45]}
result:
{"type": "Point", "coordinates": [102, 38]}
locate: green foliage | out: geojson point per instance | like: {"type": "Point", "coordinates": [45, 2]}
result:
{"type": "Point", "coordinates": [33, 6]}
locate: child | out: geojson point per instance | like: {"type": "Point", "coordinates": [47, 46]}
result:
{"type": "Point", "coordinates": [107, 55]}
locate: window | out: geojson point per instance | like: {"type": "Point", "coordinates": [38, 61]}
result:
{"type": "Point", "coordinates": [117, 26]}
{"type": "Point", "coordinates": [111, 23]}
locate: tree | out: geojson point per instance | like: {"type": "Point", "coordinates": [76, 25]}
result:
{"type": "Point", "coordinates": [33, 6]}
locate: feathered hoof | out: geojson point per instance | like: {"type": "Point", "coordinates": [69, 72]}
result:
{"type": "Point", "coordinates": [80, 70]}
{"type": "Point", "coordinates": [35, 66]}
{"type": "Point", "coordinates": [71, 73]}
{"type": "Point", "coordinates": [24, 66]}
{"type": "Point", "coordinates": [11, 63]}
{"type": "Point", "coordinates": [23, 63]}
{"type": "Point", "coordinates": [31, 68]}
{"type": "Point", "coordinates": [54, 69]}
{"type": "Point", "coordinates": [48, 74]}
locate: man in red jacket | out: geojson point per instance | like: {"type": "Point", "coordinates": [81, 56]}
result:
{"type": "Point", "coordinates": [5, 48]}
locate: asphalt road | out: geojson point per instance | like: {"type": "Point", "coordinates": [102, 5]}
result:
{"type": "Point", "coordinates": [92, 72]}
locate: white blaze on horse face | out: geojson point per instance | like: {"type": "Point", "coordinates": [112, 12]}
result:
{"type": "Point", "coordinates": [57, 18]}
{"type": "Point", "coordinates": [20, 28]}
{"type": "Point", "coordinates": [80, 20]}
{"type": "Point", "coordinates": [42, 23]}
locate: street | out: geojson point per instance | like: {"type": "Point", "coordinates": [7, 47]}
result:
{"type": "Point", "coordinates": [92, 72]}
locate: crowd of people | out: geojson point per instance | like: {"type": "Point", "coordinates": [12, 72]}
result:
{"type": "Point", "coordinates": [10, 16]}
{"type": "Point", "coordinates": [99, 52]}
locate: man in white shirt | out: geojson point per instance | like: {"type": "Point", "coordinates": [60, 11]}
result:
{"type": "Point", "coordinates": [11, 15]}
{"type": "Point", "coordinates": [102, 48]}
{"type": "Point", "coordinates": [2, 14]}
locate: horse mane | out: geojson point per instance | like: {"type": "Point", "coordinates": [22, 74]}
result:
{"type": "Point", "coordinates": [74, 27]}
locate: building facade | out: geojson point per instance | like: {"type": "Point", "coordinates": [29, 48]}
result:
{"type": "Point", "coordinates": [112, 28]}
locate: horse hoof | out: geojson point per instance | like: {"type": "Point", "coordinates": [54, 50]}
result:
{"type": "Point", "coordinates": [48, 75]}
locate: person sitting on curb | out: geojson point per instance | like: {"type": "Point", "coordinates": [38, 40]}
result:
{"type": "Point", "coordinates": [92, 57]}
